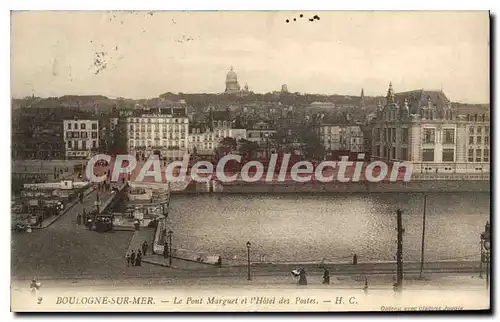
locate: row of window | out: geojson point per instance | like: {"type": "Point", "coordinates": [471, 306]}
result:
{"type": "Point", "coordinates": [81, 135]}
{"type": "Point", "coordinates": [476, 154]}
{"type": "Point", "coordinates": [149, 143]}
{"type": "Point", "coordinates": [165, 128]}
{"type": "Point", "coordinates": [479, 140]}
{"type": "Point", "coordinates": [157, 136]}
{"type": "Point", "coordinates": [82, 126]}
{"type": "Point", "coordinates": [479, 130]}
{"type": "Point", "coordinates": [448, 155]}
{"type": "Point", "coordinates": [81, 144]}
{"type": "Point", "coordinates": [429, 136]}
{"type": "Point", "coordinates": [389, 135]}
{"type": "Point", "coordinates": [391, 153]}
{"type": "Point", "coordinates": [206, 145]}
{"type": "Point", "coordinates": [473, 155]}
{"type": "Point", "coordinates": [158, 120]}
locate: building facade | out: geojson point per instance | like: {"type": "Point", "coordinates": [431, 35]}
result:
{"type": "Point", "coordinates": [158, 131]}
{"type": "Point", "coordinates": [337, 137]}
{"type": "Point", "coordinates": [427, 130]}
{"type": "Point", "coordinates": [232, 85]}
{"type": "Point", "coordinates": [81, 138]}
{"type": "Point", "coordinates": [205, 137]}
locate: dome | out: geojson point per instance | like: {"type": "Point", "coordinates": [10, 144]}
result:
{"type": "Point", "coordinates": [232, 85]}
{"type": "Point", "coordinates": [231, 76]}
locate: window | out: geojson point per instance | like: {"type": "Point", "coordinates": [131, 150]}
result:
{"type": "Point", "coordinates": [486, 155]}
{"type": "Point", "coordinates": [428, 155]}
{"type": "Point", "coordinates": [94, 135]}
{"type": "Point", "coordinates": [84, 145]}
{"type": "Point", "coordinates": [94, 126]}
{"type": "Point", "coordinates": [76, 135]}
{"type": "Point", "coordinates": [70, 144]}
{"type": "Point", "coordinates": [471, 130]}
{"type": "Point", "coordinates": [69, 126]}
{"type": "Point", "coordinates": [83, 135]}
{"type": "Point", "coordinates": [478, 139]}
{"type": "Point", "coordinates": [448, 155]}
{"type": "Point", "coordinates": [487, 140]}
{"type": "Point", "coordinates": [377, 150]}
{"type": "Point", "coordinates": [471, 140]}
{"type": "Point", "coordinates": [94, 144]}
{"type": "Point", "coordinates": [82, 126]}
{"type": "Point", "coordinates": [429, 135]}
{"type": "Point", "coordinates": [76, 126]}
{"type": "Point", "coordinates": [404, 154]}
{"type": "Point", "coordinates": [470, 155]}
{"type": "Point", "coordinates": [479, 130]}
{"type": "Point", "coordinates": [478, 155]}
{"type": "Point", "coordinates": [448, 136]}
{"type": "Point", "coordinates": [404, 135]}
{"type": "Point", "coordinates": [486, 130]}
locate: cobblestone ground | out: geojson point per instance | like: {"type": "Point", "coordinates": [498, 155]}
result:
{"type": "Point", "coordinates": [66, 250]}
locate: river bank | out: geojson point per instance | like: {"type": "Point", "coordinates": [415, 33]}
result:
{"type": "Point", "coordinates": [239, 187]}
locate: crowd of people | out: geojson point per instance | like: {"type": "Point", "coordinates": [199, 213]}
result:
{"type": "Point", "coordinates": [135, 258]}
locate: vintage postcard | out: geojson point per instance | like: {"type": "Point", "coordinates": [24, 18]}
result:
{"type": "Point", "coordinates": [184, 161]}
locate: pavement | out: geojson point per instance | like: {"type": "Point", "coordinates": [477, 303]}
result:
{"type": "Point", "coordinates": [65, 250]}
{"type": "Point", "coordinates": [51, 220]}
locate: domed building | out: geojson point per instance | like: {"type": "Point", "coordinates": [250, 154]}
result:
{"type": "Point", "coordinates": [232, 85]}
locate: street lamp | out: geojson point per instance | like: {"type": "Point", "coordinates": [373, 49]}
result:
{"type": "Point", "coordinates": [485, 251]}
{"type": "Point", "coordinates": [170, 247]}
{"type": "Point", "coordinates": [248, 257]}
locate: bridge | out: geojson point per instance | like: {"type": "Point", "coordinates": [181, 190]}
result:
{"type": "Point", "coordinates": [111, 199]}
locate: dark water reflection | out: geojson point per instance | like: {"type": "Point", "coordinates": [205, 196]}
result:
{"type": "Point", "coordinates": [312, 227]}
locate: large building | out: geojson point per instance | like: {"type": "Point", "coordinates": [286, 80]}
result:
{"type": "Point", "coordinates": [338, 137]}
{"type": "Point", "coordinates": [81, 138]}
{"type": "Point", "coordinates": [161, 131]}
{"type": "Point", "coordinates": [205, 137]}
{"type": "Point", "coordinates": [232, 85]}
{"type": "Point", "coordinates": [423, 127]}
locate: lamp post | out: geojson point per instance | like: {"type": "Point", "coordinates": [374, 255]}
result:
{"type": "Point", "coordinates": [170, 247]}
{"type": "Point", "coordinates": [248, 257]}
{"type": "Point", "coordinates": [485, 251]}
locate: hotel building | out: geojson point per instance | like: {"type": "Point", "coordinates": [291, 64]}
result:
{"type": "Point", "coordinates": [428, 131]}
{"type": "Point", "coordinates": [81, 138]}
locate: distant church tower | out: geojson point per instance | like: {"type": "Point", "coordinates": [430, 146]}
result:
{"type": "Point", "coordinates": [362, 99]}
{"type": "Point", "coordinates": [232, 85]}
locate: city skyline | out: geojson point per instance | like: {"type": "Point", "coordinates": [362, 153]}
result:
{"type": "Point", "coordinates": [143, 54]}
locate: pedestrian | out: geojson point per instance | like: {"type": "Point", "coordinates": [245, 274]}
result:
{"type": "Point", "coordinates": [326, 276]}
{"type": "Point", "coordinates": [219, 261]}
{"type": "Point", "coordinates": [132, 258]}
{"type": "Point", "coordinates": [79, 219]}
{"type": "Point", "coordinates": [145, 248]}
{"type": "Point", "coordinates": [128, 259]}
{"type": "Point", "coordinates": [354, 259]}
{"type": "Point", "coordinates": [138, 258]}
{"type": "Point", "coordinates": [302, 277]}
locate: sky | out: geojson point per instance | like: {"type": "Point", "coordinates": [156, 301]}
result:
{"type": "Point", "coordinates": [150, 53]}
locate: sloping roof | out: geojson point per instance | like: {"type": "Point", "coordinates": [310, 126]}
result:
{"type": "Point", "coordinates": [464, 109]}
{"type": "Point", "coordinates": [420, 97]}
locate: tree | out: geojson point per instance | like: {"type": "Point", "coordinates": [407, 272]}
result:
{"type": "Point", "coordinates": [226, 146]}
{"type": "Point", "coordinates": [248, 148]}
